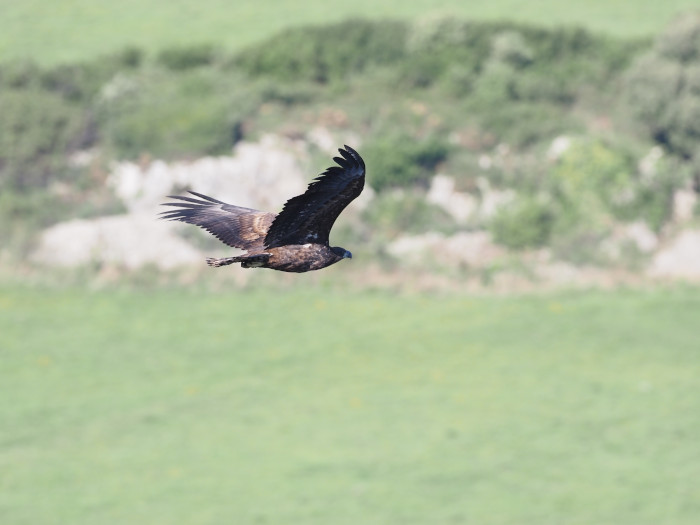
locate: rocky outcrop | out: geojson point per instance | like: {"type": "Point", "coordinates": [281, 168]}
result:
{"type": "Point", "coordinates": [259, 175]}
{"type": "Point", "coordinates": [464, 207]}
{"type": "Point", "coordinates": [680, 259]}
{"type": "Point", "coordinates": [461, 206]}
{"type": "Point", "coordinates": [131, 241]}
{"type": "Point", "coordinates": [474, 249]}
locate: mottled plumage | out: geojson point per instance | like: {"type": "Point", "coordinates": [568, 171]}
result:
{"type": "Point", "coordinates": [295, 240]}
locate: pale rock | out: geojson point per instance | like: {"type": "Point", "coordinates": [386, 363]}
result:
{"type": "Point", "coordinates": [648, 164]}
{"type": "Point", "coordinates": [641, 235]}
{"type": "Point", "coordinates": [475, 249]}
{"type": "Point", "coordinates": [637, 234]}
{"type": "Point", "coordinates": [323, 139]}
{"type": "Point", "coordinates": [259, 175]}
{"type": "Point", "coordinates": [329, 142]}
{"type": "Point", "coordinates": [680, 259]}
{"type": "Point", "coordinates": [558, 147]}
{"type": "Point", "coordinates": [461, 206]}
{"type": "Point", "coordinates": [684, 203]}
{"type": "Point", "coordinates": [119, 86]}
{"type": "Point", "coordinates": [485, 162]}
{"type": "Point", "coordinates": [558, 272]}
{"type": "Point", "coordinates": [132, 241]}
{"type": "Point", "coordinates": [414, 248]}
{"type": "Point", "coordinates": [492, 200]}
{"type": "Point", "coordinates": [82, 158]}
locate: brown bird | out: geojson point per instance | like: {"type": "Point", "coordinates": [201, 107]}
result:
{"type": "Point", "coordinates": [296, 239]}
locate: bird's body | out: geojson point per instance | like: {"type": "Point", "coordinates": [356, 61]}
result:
{"type": "Point", "coordinates": [295, 240]}
{"type": "Point", "coordinates": [296, 258]}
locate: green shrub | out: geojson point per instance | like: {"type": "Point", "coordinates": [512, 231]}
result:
{"type": "Point", "coordinates": [654, 198]}
{"type": "Point", "coordinates": [401, 160]}
{"type": "Point", "coordinates": [590, 166]}
{"type": "Point", "coordinates": [325, 53]}
{"type": "Point", "coordinates": [37, 131]}
{"type": "Point", "coordinates": [571, 56]}
{"type": "Point", "coordinates": [596, 183]}
{"type": "Point", "coordinates": [680, 42]}
{"type": "Point", "coordinates": [287, 93]}
{"type": "Point", "coordinates": [176, 114]}
{"type": "Point", "coordinates": [19, 75]}
{"type": "Point", "coordinates": [526, 223]}
{"type": "Point", "coordinates": [522, 124]}
{"type": "Point", "coordinates": [662, 89]}
{"type": "Point", "coordinates": [187, 57]}
{"type": "Point", "coordinates": [81, 82]}
{"type": "Point", "coordinates": [394, 213]}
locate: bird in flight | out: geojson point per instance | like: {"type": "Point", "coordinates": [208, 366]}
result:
{"type": "Point", "coordinates": [296, 239]}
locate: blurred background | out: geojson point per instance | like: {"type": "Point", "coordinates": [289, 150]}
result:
{"type": "Point", "coordinates": [514, 342]}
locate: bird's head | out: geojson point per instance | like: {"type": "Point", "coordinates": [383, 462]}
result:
{"type": "Point", "coordinates": [341, 252]}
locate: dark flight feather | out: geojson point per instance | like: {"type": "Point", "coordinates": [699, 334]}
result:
{"type": "Point", "coordinates": [236, 226]}
{"type": "Point", "coordinates": [308, 218]}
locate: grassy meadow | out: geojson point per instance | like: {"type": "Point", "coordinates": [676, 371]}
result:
{"type": "Point", "coordinates": [70, 30]}
{"type": "Point", "coordinates": [312, 407]}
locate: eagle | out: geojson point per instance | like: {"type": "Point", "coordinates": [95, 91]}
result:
{"type": "Point", "coordinates": [294, 240]}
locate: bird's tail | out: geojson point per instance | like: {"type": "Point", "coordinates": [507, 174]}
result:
{"type": "Point", "coordinates": [254, 260]}
{"type": "Point", "coordinates": [225, 261]}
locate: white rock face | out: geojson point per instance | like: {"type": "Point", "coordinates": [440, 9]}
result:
{"type": "Point", "coordinates": [464, 207]}
{"type": "Point", "coordinates": [491, 199]}
{"type": "Point", "coordinates": [680, 259]}
{"type": "Point", "coordinates": [649, 163]}
{"type": "Point", "coordinates": [643, 237]}
{"type": "Point", "coordinates": [684, 203]}
{"type": "Point", "coordinates": [259, 175]}
{"type": "Point", "coordinates": [485, 162]}
{"type": "Point", "coordinates": [638, 233]}
{"type": "Point", "coordinates": [132, 241]}
{"type": "Point", "coordinates": [474, 249]}
{"type": "Point", "coordinates": [323, 139]}
{"type": "Point", "coordinates": [558, 147]}
{"type": "Point", "coordinates": [461, 206]}
{"type": "Point", "coordinates": [329, 142]}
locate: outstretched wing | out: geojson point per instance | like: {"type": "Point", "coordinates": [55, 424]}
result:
{"type": "Point", "coordinates": [233, 225]}
{"type": "Point", "coordinates": [309, 217]}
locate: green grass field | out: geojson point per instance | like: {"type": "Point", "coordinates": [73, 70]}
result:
{"type": "Point", "coordinates": [66, 30]}
{"type": "Point", "coordinates": [365, 408]}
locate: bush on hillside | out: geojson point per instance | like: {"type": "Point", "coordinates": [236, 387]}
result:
{"type": "Point", "coordinates": [522, 124]}
{"type": "Point", "coordinates": [81, 82]}
{"type": "Point", "coordinates": [662, 89]}
{"type": "Point", "coordinates": [181, 58]}
{"type": "Point", "coordinates": [592, 167]}
{"type": "Point", "coordinates": [595, 183]}
{"type": "Point", "coordinates": [395, 213]}
{"type": "Point", "coordinates": [19, 74]}
{"type": "Point", "coordinates": [38, 130]}
{"type": "Point", "coordinates": [325, 53]}
{"type": "Point", "coordinates": [401, 160]}
{"type": "Point", "coordinates": [526, 223]}
{"type": "Point", "coordinates": [570, 56]}
{"type": "Point", "coordinates": [193, 113]}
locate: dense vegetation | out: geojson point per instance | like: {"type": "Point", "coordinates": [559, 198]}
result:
{"type": "Point", "coordinates": [434, 95]}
